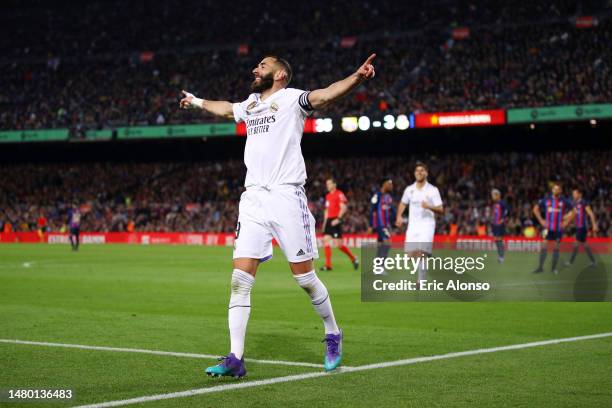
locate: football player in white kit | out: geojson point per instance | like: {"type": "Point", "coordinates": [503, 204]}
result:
{"type": "Point", "coordinates": [274, 204]}
{"type": "Point", "coordinates": [424, 202]}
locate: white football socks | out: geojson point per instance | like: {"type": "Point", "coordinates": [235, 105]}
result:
{"type": "Point", "coordinates": [320, 299]}
{"type": "Point", "coordinates": [239, 310]}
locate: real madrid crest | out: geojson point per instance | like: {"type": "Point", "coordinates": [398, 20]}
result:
{"type": "Point", "coordinates": [274, 107]}
{"type": "Point", "coordinates": [251, 106]}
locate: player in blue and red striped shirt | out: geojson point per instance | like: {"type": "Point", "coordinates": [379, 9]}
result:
{"type": "Point", "coordinates": [499, 212]}
{"type": "Point", "coordinates": [557, 214]}
{"type": "Point", "coordinates": [74, 224]}
{"type": "Point", "coordinates": [381, 215]}
{"type": "Point", "coordinates": [581, 209]}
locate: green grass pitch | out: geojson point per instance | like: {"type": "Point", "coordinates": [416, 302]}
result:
{"type": "Point", "coordinates": [174, 298]}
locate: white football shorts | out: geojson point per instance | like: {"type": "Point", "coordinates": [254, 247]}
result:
{"type": "Point", "coordinates": [420, 238]}
{"type": "Point", "coordinates": [280, 213]}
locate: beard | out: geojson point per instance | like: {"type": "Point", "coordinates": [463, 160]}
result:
{"type": "Point", "coordinates": [265, 82]}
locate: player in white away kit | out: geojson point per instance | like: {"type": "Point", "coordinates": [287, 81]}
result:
{"type": "Point", "coordinates": [423, 201]}
{"type": "Point", "coordinates": [274, 203]}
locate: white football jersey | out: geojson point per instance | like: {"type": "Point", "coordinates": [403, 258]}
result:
{"type": "Point", "coordinates": [273, 155]}
{"type": "Point", "coordinates": [413, 197]}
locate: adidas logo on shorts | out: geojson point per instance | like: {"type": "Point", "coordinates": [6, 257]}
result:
{"type": "Point", "coordinates": [300, 253]}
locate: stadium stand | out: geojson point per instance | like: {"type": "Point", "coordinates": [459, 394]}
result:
{"type": "Point", "coordinates": [110, 63]}
{"type": "Point", "coordinates": [204, 196]}
{"type": "Point", "coordinates": [124, 72]}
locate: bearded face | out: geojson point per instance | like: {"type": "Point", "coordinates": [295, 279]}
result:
{"type": "Point", "coordinates": [263, 82]}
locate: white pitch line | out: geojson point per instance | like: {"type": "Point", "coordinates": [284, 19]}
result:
{"type": "Point", "coordinates": [155, 352]}
{"type": "Point", "coordinates": [200, 391]}
{"type": "Point", "coordinates": [299, 377]}
{"type": "Point", "coordinates": [474, 352]}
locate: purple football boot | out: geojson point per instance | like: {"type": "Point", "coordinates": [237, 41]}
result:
{"type": "Point", "coordinates": [230, 366]}
{"type": "Point", "coordinates": [333, 351]}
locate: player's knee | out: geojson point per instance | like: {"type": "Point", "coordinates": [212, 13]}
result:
{"type": "Point", "coordinates": [299, 268]}
{"type": "Point", "coordinates": [248, 265]}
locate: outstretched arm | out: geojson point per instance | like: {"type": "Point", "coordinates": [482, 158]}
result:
{"type": "Point", "coordinates": [216, 108]}
{"type": "Point", "coordinates": [320, 98]}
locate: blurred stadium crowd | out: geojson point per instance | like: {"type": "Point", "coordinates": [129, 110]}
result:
{"type": "Point", "coordinates": [204, 196]}
{"type": "Point", "coordinates": [108, 63]}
